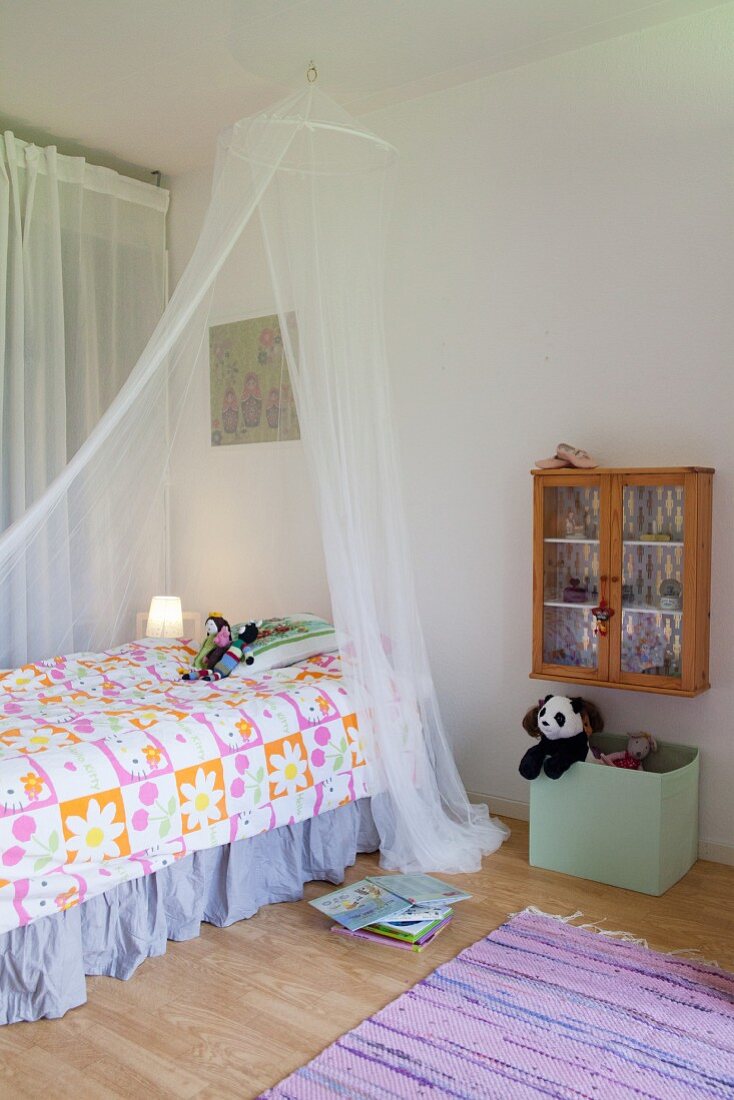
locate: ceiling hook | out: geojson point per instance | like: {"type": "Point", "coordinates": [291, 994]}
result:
{"type": "Point", "coordinates": [312, 73]}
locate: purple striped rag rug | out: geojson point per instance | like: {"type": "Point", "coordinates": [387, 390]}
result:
{"type": "Point", "coordinates": [540, 1008]}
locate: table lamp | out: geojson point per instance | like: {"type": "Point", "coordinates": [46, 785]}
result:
{"type": "Point", "coordinates": [165, 618]}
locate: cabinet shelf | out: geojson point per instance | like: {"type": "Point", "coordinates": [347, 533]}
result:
{"type": "Point", "coordinates": [572, 538]}
{"type": "Point", "coordinates": [652, 611]}
{"type": "Point", "coordinates": [625, 608]}
{"type": "Point", "coordinates": [650, 543]}
{"type": "Point", "coordinates": [564, 603]}
{"type": "Point", "coordinates": [642, 647]}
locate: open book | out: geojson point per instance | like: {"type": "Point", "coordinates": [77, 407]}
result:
{"type": "Point", "coordinates": [363, 903]}
{"type": "Point", "coordinates": [382, 898]}
{"type": "Point", "coordinates": [421, 889]}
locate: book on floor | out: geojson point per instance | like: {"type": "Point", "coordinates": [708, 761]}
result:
{"type": "Point", "coordinates": [421, 889]}
{"type": "Point", "coordinates": [414, 932]}
{"type": "Point", "coordinates": [360, 904]}
{"type": "Point", "coordinates": [387, 941]}
{"type": "Point", "coordinates": [381, 898]}
{"type": "Point", "coordinates": [421, 912]}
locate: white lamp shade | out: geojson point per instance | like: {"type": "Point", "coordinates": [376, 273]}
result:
{"type": "Point", "coordinates": [165, 618]}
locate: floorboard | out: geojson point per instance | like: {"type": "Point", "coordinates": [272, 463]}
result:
{"type": "Point", "coordinates": [233, 1012]}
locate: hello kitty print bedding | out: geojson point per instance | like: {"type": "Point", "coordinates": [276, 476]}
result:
{"type": "Point", "coordinates": [111, 766]}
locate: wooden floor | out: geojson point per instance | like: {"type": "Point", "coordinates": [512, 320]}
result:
{"type": "Point", "coordinates": [234, 1011]}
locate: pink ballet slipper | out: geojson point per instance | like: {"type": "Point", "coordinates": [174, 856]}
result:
{"type": "Point", "coordinates": [573, 456]}
{"type": "Point", "coordinates": [551, 463]}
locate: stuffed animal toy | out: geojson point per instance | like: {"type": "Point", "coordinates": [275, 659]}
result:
{"type": "Point", "coordinates": [216, 642]}
{"type": "Point", "coordinates": [563, 727]}
{"type": "Point", "coordinates": [220, 652]}
{"type": "Point", "coordinates": [639, 745]}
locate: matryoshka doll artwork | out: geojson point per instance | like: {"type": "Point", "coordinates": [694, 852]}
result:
{"type": "Point", "coordinates": [288, 418]}
{"type": "Point", "coordinates": [230, 412]}
{"type": "Point", "coordinates": [221, 351]}
{"type": "Point", "coordinates": [272, 409]}
{"type": "Point", "coordinates": [268, 343]}
{"type": "Point", "coordinates": [251, 401]}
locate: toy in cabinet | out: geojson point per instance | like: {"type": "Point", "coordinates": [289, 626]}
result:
{"type": "Point", "coordinates": [622, 578]}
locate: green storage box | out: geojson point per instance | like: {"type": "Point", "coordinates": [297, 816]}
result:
{"type": "Point", "coordinates": [635, 829]}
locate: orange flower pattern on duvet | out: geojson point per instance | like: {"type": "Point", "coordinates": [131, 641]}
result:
{"type": "Point", "coordinates": [111, 767]}
{"type": "Point", "coordinates": [201, 795]}
{"type": "Point", "coordinates": [94, 827]}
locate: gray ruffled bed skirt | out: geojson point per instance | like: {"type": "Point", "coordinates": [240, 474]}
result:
{"type": "Point", "coordinates": [44, 965]}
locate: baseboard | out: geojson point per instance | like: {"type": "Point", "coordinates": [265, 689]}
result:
{"type": "Point", "coordinates": [502, 807]}
{"type": "Point", "coordinates": [717, 853]}
{"type": "Point", "coordinates": [510, 807]}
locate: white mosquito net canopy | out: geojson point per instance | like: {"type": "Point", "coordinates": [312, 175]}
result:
{"type": "Point", "coordinates": [90, 551]}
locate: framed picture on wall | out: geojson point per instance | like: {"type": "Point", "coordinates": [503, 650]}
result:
{"type": "Point", "coordinates": [250, 389]}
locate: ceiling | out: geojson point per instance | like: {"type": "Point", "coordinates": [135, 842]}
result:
{"type": "Point", "coordinates": [150, 83]}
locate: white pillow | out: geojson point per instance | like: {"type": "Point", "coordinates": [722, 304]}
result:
{"type": "Point", "coordinates": [282, 642]}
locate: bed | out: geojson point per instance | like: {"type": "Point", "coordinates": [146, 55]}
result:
{"type": "Point", "coordinates": [159, 803]}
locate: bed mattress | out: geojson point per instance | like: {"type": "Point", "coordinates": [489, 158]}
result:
{"type": "Point", "coordinates": [111, 767]}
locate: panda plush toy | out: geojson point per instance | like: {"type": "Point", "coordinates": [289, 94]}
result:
{"type": "Point", "coordinates": [563, 727]}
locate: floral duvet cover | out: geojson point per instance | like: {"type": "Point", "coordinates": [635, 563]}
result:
{"type": "Point", "coordinates": [111, 767]}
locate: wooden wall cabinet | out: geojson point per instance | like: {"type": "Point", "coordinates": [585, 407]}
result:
{"type": "Point", "coordinates": [640, 539]}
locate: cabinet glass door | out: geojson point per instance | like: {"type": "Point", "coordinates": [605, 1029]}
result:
{"type": "Point", "coordinates": [653, 523]}
{"type": "Point", "coordinates": [572, 567]}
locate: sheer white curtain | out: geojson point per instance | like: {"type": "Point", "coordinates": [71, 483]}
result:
{"type": "Point", "coordinates": [82, 285]}
{"type": "Point", "coordinates": [324, 220]}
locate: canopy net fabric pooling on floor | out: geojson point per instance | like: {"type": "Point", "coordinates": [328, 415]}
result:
{"type": "Point", "coordinates": [91, 551]}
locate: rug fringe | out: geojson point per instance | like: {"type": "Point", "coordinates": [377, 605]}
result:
{"type": "Point", "coordinates": [617, 934]}
{"type": "Point", "coordinates": [534, 911]}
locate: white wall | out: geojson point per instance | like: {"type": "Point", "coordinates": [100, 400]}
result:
{"type": "Point", "coordinates": [560, 268]}
{"type": "Point", "coordinates": [244, 537]}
